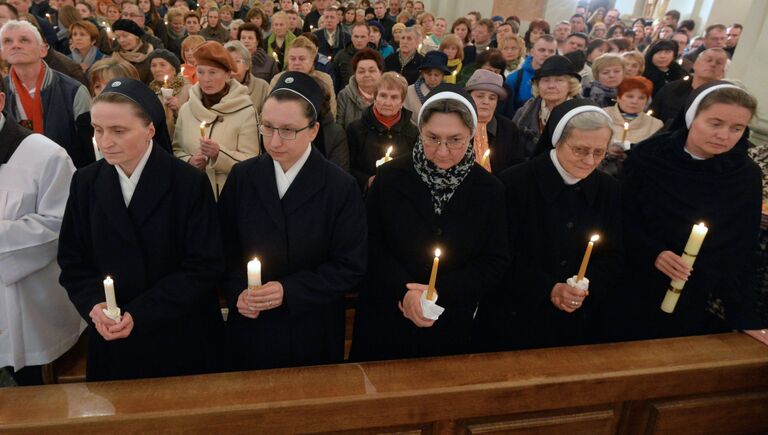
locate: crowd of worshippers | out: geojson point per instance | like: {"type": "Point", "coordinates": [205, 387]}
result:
{"type": "Point", "coordinates": [158, 157]}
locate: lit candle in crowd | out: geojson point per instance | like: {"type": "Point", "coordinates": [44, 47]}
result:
{"type": "Point", "coordinates": [48, 16]}
{"type": "Point", "coordinates": [698, 233]}
{"type": "Point", "coordinates": [182, 70]}
{"type": "Point", "coordinates": [624, 142]}
{"type": "Point", "coordinates": [330, 58]}
{"type": "Point", "coordinates": [165, 81]}
{"type": "Point", "coordinates": [110, 35]}
{"type": "Point", "coordinates": [274, 55]}
{"type": "Point", "coordinates": [486, 154]}
{"type": "Point", "coordinates": [386, 157]}
{"type": "Point", "coordinates": [649, 113]}
{"type": "Point", "coordinates": [585, 260]}
{"type": "Point", "coordinates": [202, 129]}
{"type": "Point", "coordinates": [687, 78]}
{"type": "Point", "coordinates": [254, 273]}
{"type": "Point", "coordinates": [419, 49]}
{"type": "Point", "coordinates": [433, 276]}
{"type": "Point", "coordinates": [109, 293]}
{"type": "Point", "coordinates": [311, 27]}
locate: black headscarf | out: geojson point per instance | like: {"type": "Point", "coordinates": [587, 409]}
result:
{"type": "Point", "coordinates": [654, 74]}
{"type": "Point", "coordinates": [140, 94]}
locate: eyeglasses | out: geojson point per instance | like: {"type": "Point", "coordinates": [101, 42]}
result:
{"type": "Point", "coordinates": [451, 144]}
{"type": "Point", "coordinates": [285, 133]}
{"type": "Point", "coordinates": [583, 152]}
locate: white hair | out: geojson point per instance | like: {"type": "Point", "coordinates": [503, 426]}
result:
{"type": "Point", "coordinates": [20, 25]}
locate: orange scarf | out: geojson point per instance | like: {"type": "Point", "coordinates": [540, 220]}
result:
{"type": "Point", "coordinates": [33, 107]}
{"type": "Point", "coordinates": [481, 146]}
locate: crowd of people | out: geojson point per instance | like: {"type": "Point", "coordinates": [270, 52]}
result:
{"type": "Point", "coordinates": [340, 144]}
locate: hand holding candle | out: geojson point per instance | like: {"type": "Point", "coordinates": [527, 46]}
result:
{"type": "Point", "coordinates": [254, 273]}
{"type": "Point", "coordinates": [433, 276]}
{"type": "Point", "coordinates": [587, 255]}
{"type": "Point", "coordinates": [112, 311]}
{"type": "Point", "coordinates": [692, 248]}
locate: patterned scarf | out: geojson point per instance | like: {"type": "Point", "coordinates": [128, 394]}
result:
{"type": "Point", "coordinates": [417, 87]}
{"type": "Point", "coordinates": [442, 183]}
{"type": "Point", "coordinates": [85, 59]}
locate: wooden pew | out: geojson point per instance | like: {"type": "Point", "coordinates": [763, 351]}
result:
{"type": "Point", "coordinates": [699, 385]}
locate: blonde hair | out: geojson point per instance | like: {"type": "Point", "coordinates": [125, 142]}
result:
{"type": "Point", "coordinates": [574, 87]}
{"type": "Point", "coordinates": [518, 40]}
{"type": "Point", "coordinates": [191, 42]}
{"type": "Point", "coordinates": [392, 80]}
{"type": "Point", "coordinates": [104, 70]}
{"type": "Point", "coordinates": [634, 56]}
{"type": "Point", "coordinates": [452, 40]}
{"type": "Point", "coordinates": [606, 60]}
{"type": "Point", "coordinates": [304, 42]}
{"type": "Point", "coordinates": [280, 16]}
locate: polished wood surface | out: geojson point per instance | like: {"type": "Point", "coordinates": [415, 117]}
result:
{"type": "Point", "coordinates": [685, 385]}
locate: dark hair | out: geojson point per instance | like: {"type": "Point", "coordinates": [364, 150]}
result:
{"type": "Point", "coordinates": [674, 14]}
{"type": "Point", "coordinates": [492, 57]}
{"type": "Point", "coordinates": [12, 8]}
{"type": "Point", "coordinates": [115, 98]}
{"type": "Point", "coordinates": [622, 44]}
{"type": "Point", "coordinates": [735, 96]}
{"type": "Point", "coordinates": [487, 23]}
{"type": "Point", "coordinates": [581, 35]}
{"type": "Point", "coordinates": [613, 29]}
{"type": "Point", "coordinates": [514, 18]}
{"type": "Point", "coordinates": [312, 38]}
{"type": "Point", "coordinates": [250, 27]}
{"type": "Point", "coordinates": [715, 27]}
{"type": "Point", "coordinates": [367, 54]}
{"type": "Point", "coordinates": [594, 45]}
{"type": "Point", "coordinates": [686, 24]}
{"type": "Point", "coordinates": [737, 26]}
{"type": "Point", "coordinates": [535, 24]}
{"type": "Point", "coordinates": [306, 107]}
{"type": "Point", "coordinates": [257, 11]}
{"type": "Point", "coordinates": [578, 16]}
{"type": "Point", "coordinates": [465, 22]}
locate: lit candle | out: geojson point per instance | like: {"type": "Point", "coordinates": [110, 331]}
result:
{"type": "Point", "coordinates": [624, 142]}
{"type": "Point", "coordinates": [455, 72]}
{"type": "Point", "coordinates": [585, 260]}
{"type": "Point", "coordinates": [202, 129]}
{"type": "Point", "coordinates": [48, 16]}
{"type": "Point", "coordinates": [649, 113]}
{"type": "Point", "coordinates": [386, 157]}
{"type": "Point", "coordinates": [687, 78]}
{"type": "Point", "coordinates": [486, 154]}
{"type": "Point", "coordinates": [330, 58]}
{"type": "Point", "coordinates": [433, 276]}
{"type": "Point", "coordinates": [110, 35]}
{"type": "Point", "coordinates": [274, 55]}
{"type": "Point", "coordinates": [182, 70]}
{"type": "Point", "coordinates": [689, 256]}
{"type": "Point", "coordinates": [311, 27]}
{"type": "Point", "coordinates": [165, 81]}
{"type": "Point", "coordinates": [112, 311]}
{"type": "Point", "coordinates": [680, 61]}
{"type": "Point", "coordinates": [419, 49]}
{"type": "Point", "coordinates": [254, 273]}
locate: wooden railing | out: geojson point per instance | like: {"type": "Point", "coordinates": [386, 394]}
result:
{"type": "Point", "coordinates": [700, 385]}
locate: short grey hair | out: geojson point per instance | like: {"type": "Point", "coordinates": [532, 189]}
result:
{"type": "Point", "coordinates": [20, 25]}
{"type": "Point", "coordinates": [413, 29]}
{"type": "Point", "coordinates": [239, 48]}
{"type": "Point", "coordinates": [585, 121]}
{"type": "Point", "coordinates": [238, 22]}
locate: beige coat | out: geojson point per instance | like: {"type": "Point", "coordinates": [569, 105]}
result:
{"type": "Point", "coordinates": [231, 124]}
{"type": "Point", "coordinates": [640, 129]}
{"type": "Point", "coordinates": [258, 89]}
{"type": "Point", "coordinates": [323, 78]}
{"type": "Point", "coordinates": [413, 103]}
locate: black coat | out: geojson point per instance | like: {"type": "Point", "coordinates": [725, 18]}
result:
{"type": "Point", "coordinates": [504, 140]}
{"type": "Point", "coordinates": [369, 139]}
{"type": "Point", "coordinates": [410, 70]}
{"type": "Point", "coordinates": [550, 224]}
{"type": "Point", "coordinates": [660, 78]}
{"type": "Point", "coordinates": [164, 254]}
{"type": "Point", "coordinates": [665, 192]}
{"type": "Point", "coordinates": [670, 100]}
{"type": "Point", "coordinates": [342, 41]}
{"type": "Point", "coordinates": [313, 242]}
{"type": "Point", "coordinates": [404, 232]}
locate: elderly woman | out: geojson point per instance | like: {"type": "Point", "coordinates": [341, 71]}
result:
{"type": "Point", "coordinates": [513, 49]}
{"type": "Point", "coordinates": [214, 31]}
{"type": "Point", "coordinates": [166, 69]}
{"type": "Point", "coordinates": [189, 68]}
{"type": "Point", "coordinates": [149, 222]}
{"type": "Point", "coordinates": [555, 203]}
{"type": "Point", "coordinates": [107, 69]}
{"type": "Point", "coordinates": [660, 65]}
{"type": "Point", "coordinates": [262, 66]}
{"type": "Point", "coordinates": [496, 135]}
{"type": "Point", "coordinates": [131, 48]}
{"type": "Point", "coordinates": [83, 36]}
{"type": "Point", "coordinates": [554, 83]}
{"type": "Point", "coordinates": [634, 64]}
{"type": "Point", "coordinates": [359, 93]}
{"type": "Point", "coordinates": [280, 41]}
{"type": "Point", "coordinates": [433, 67]}
{"type": "Point", "coordinates": [698, 171]}
{"type": "Point", "coordinates": [304, 219]}
{"type": "Point", "coordinates": [382, 125]}
{"type": "Point", "coordinates": [608, 72]}
{"type": "Point", "coordinates": [217, 127]}
{"type": "Point", "coordinates": [434, 197]}
{"type": "Point", "coordinates": [258, 89]}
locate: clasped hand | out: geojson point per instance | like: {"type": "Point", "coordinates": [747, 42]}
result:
{"type": "Point", "coordinates": [209, 148]}
{"type": "Point", "coordinates": [410, 306]}
{"type": "Point", "coordinates": [253, 301]}
{"type": "Point", "coordinates": [673, 266]}
{"type": "Point", "coordinates": [108, 328]}
{"type": "Point", "coordinates": [567, 298]}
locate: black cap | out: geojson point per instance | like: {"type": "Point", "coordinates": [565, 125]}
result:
{"type": "Point", "coordinates": [435, 60]}
{"type": "Point", "coordinates": [140, 94]}
{"type": "Point", "coordinates": [556, 66]}
{"type": "Point", "coordinates": [167, 56]}
{"type": "Point", "coordinates": [303, 85]}
{"type": "Point", "coordinates": [128, 26]}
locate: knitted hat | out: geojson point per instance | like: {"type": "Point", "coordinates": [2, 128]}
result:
{"type": "Point", "coordinates": [398, 26]}
{"type": "Point", "coordinates": [214, 54]}
{"type": "Point", "coordinates": [166, 56]}
{"type": "Point", "coordinates": [128, 26]}
{"type": "Point", "coordinates": [484, 80]}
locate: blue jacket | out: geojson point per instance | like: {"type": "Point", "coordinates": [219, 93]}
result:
{"type": "Point", "coordinates": [521, 94]}
{"type": "Point", "coordinates": [66, 114]}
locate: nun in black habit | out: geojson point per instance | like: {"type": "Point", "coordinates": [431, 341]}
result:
{"type": "Point", "coordinates": [699, 171]}
{"type": "Point", "coordinates": [303, 217]}
{"type": "Point", "coordinates": [555, 203]}
{"type": "Point", "coordinates": [149, 222]}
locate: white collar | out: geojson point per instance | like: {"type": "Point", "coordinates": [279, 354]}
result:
{"type": "Point", "coordinates": [567, 178]}
{"type": "Point", "coordinates": [128, 184]}
{"type": "Point", "coordinates": [2, 121]}
{"type": "Point", "coordinates": [285, 179]}
{"type": "Point", "coordinates": [694, 156]}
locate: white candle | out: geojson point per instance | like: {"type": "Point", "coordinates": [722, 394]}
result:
{"type": "Point", "coordinates": [202, 129]}
{"type": "Point", "coordinates": [165, 81]}
{"type": "Point", "coordinates": [691, 251]}
{"type": "Point", "coordinates": [254, 273]}
{"type": "Point", "coordinates": [650, 112]}
{"type": "Point", "coordinates": [182, 70]}
{"type": "Point", "coordinates": [109, 293]}
{"type": "Point", "coordinates": [386, 157]}
{"type": "Point", "coordinates": [433, 276]}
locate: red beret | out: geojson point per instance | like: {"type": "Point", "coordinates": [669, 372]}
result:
{"type": "Point", "coordinates": [214, 54]}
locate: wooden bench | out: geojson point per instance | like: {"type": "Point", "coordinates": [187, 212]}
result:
{"type": "Point", "coordinates": [697, 385]}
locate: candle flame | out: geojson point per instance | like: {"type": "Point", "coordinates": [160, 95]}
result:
{"type": "Point", "coordinates": [202, 125]}
{"type": "Point", "coordinates": [626, 126]}
{"type": "Point", "coordinates": [108, 278]}
{"type": "Point", "coordinates": [389, 151]}
{"type": "Point", "coordinates": [594, 238]}
{"type": "Point", "coordinates": [650, 112]}
{"type": "Point", "coordinates": [330, 58]}
{"type": "Point", "coordinates": [686, 77]}
{"type": "Point", "coordinates": [165, 78]}
{"type": "Point", "coordinates": [701, 224]}
{"type": "Point", "coordinates": [182, 70]}
{"type": "Point", "coordinates": [455, 72]}
{"type": "Point", "coordinates": [486, 154]}
{"type": "Point", "coordinates": [419, 47]}
{"type": "Point", "coordinates": [437, 253]}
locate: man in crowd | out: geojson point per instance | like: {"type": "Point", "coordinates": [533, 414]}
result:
{"type": "Point", "coordinates": [714, 37]}
{"type": "Point", "coordinates": [133, 13]}
{"type": "Point", "coordinates": [394, 10]}
{"type": "Point", "coordinates": [562, 30]}
{"type": "Point", "coordinates": [380, 15]}
{"type": "Point", "coordinates": [239, 10]}
{"type": "Point", "coordinates": [405, 61]}
{"type": "Point", "coordinates": [732, 38]}
{"type": "Point", "coordinates": [671, 18]}
{"type": "Point", "coordinates": [519, 82]}
{"type": "Point", "coordinates": [578, 24]}
{"type": "Point", "coordinates": [311, 20]}
{"type": "Point", "coordinates": [192, 23]}
{"type": "Point", "coordinates": [331, 38]}
{"type": "Point", "coordinates": [611, 18]}
{"type": "Point", "coordinates": [482, 34]}
{"type": "Point", "coordinates": [42, 99]}
{"type": "Point", "coordinates": [342, 62]}
{"type": "Point", "coordinates": [575, 42]}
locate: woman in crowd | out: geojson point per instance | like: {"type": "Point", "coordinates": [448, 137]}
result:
{"type": "Point", "coordinates": [461, 28]}
{"type": "Point", "coordinates": [595, 49]}
{"type": "Point", "coordinates": [555, 203]}
{"type": "Point", "coordinates": [263, 66]}
{"type": "Point", "coordinates": [438, 31]}
{"type": "Point", "coordinates": [189, 67]}
{"type": "Point", "coordinates": [234, 29]}
{"type": "Point", "coordinates": [496, 135]}
{"type": "Point", "coordinates": [153, 20]}
{"type": "Point", "coordinates": [148, 222]}
{"type": "Point", "coordinates": [698, 171]}
{"type": "Point", "coordinates": [257, 17]}
{"type": "Point", "coordinates": [454, 50]}
{"type": "Point", "coordinates": [552, 84]}
{"type": "Point", "coordinates": [634, 64]}
{"type": "Point", "coordinates": [431, 198]}
{"type": "Point", "coordinates": [107, 69]}
{"type": "Point", "coordinates": [280, 41]}
{"type": "Point", "coordinates": [83, 36]}
{"type": "Point", "coordinates": [358, 94]}
{"type": "Point", "coordinates": [166, 69]}
{"type": "Point", "coordinates": [660, 65]}
{"type": "Point", "coordinates": [214, 31]}
{"type": "Point", "coordinates": [225, 17]}
{"type": "Point", "coordinates": [513, 49]}
{"type": "Point", "coordinates": [382, 125]}
{"type": "Point", "coordinates": [349, 18]}
{"type": "Point", "coordinates": [599, 31]}
{"type": "Point", "coordinates": [131, 48]}
{"type": "Point", "coordinates": [258, 89]}
{"type": "Point", "coordinates": [217, 127]}
{"type": "Point", "coordinates": [378, 41]}
{"type": "Point", "coordinates": [639, 40]}
{"type": "Point", "coordinates": [433, 68]}
{"type": "Point", "coordinates": [597, 17]}
{"type": "Point", "coordinates": [304, 219]}
{"type": "Point", "coordinates": [534, 32]}
{"type": "Point", "coordinates": [608, 71]}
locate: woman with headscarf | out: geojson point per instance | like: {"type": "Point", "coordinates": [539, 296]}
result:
{"type": "Point", "coordinates": [555, 203]}
{"type": "Point", "coordinates": [304, 219]}
{"type": "Point", "coordinates": [168, 84]}
{"type": "Point", "coordinates": [217, 127]}
{"type": "Point", "coordinates": [698, 171]}
{"type": "Point", "coordinates": [435, 197]}
{"type": "Point", "coordinates": [660, 65]}
{"type": "Point", "coordinates": [131, 48]}
{"type": "Point", "coordinates": [214, 30]}
{"type": "Point", "coordinates": [148, 222]}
